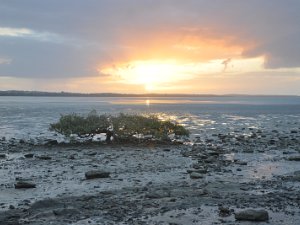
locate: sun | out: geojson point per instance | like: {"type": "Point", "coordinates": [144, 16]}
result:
{"type": "Point", "coordinates": [151, 74]}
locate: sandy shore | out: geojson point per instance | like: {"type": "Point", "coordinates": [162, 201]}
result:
{"type": "Point", "coordinates": [207, 183]}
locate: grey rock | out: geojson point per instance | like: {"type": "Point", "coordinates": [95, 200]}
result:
{"type": "Point", "coordinates": [29, 155]}
{"type": "Point", "coordinates": [44, 157]}
{"type": "Point", "coordinates": [66, 212]}
{"type": "Point", "coordinates": [52, 142]}
{"type": "Point", "coordinates": [294, 158]}
{"type": "Point", "coordinates": [157, 194]}
{"type": "Point", "coordinates": [46, 203]}
{"type": "Point", "coordinates": [24, 184]}
{"type": "Point", "coordinates": [97, 174]}
{"type": "Point", "coordinates": [195, 175]}
{"type": "Point", "coordinates": [252, 215]}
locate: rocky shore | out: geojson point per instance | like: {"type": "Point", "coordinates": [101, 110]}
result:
{"type": "Point", "coordinates": [249, 175]}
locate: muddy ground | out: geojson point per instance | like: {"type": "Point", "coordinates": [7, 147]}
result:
{"type": "Point", "coordinates": [204, 183]}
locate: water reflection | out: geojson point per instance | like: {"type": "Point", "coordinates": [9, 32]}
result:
{"type": "Point", "coordinates": [148, 102]}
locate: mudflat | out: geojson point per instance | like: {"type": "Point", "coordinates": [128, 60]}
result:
{"type": "Point", "coordinates": [223, 179]}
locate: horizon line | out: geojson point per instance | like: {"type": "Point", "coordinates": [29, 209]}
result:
{"type": "Point", "coordinates": [115, 94]}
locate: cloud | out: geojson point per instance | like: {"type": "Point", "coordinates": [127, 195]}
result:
{"type": "Point", "coordinates": [13, 32]}
{"type": "Point", "coordinates": [5, 61]}
{"type": "Point", "coordinates": [65, 38]}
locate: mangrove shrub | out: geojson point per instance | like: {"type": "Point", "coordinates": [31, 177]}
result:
{"type": "Point", "coordinates": [121, 127]}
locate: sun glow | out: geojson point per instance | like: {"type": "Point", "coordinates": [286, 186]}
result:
{"type": "Point", "coordinates": [151, 74]}
{"type": "Point", "coordinates": [156, 75]}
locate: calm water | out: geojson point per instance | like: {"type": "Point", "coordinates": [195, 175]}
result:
{"type": "Point", "coordinates": [29, 117]}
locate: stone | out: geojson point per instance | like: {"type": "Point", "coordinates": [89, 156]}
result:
{"type": "Point", "coordinates": [157, 194]}
{"type": "Point", "coordinates": [2, 156]}
{"type": "Point", "coordinates": [66, 212]}
{"type": "Point", "coordinates": [96, 174]}
{"type": "Point", "coordinates": [224, 211]}
{"type": "Point", "coordinates": [294, 158]}
{"type": "Point", "coordinates": [195, 175]}
{"type": "Point", "coordinates": [24, 185]}
{"type": "Point", "coordinates": [252, 215]}
{"type": "Point", "coordinates": [29, 155]}
{"type": "Point", "coordinates": [202, 171]}
{"type": "Point", "coordinates": [52, 142]}
{"type": "Point", "coordinates": [46, 203]}
{"type": "Point", "coordinates": [44, 157]}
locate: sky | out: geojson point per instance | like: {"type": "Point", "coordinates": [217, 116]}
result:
{"type": "Point", "coordinates": [147, 46]}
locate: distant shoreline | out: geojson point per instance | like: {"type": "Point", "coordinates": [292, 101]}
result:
{"type": "Point", "coordinates": [70, 94]}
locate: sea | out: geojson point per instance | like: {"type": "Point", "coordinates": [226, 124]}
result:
{"type": "Point", "coordinates": [28, 118]}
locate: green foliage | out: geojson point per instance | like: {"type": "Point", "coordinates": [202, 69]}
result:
{"type": "Point", "coordinates": [125, 126]}
{"type": "Point", "coordinates": [76, 124]}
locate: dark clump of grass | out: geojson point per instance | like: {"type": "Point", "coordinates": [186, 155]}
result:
{"type": "Point", "coordinates": [123, 127]}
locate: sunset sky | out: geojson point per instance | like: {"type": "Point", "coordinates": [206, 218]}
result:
{"type": "Point", "coordinates": [142, 46]}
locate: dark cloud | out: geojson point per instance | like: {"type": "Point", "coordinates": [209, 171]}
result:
{"type": "Point", "coordinates": [97, 31]}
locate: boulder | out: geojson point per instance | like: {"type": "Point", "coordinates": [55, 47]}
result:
{"type": "Point", "coordinates": [252, 215]}
{"type": "Point", "coordinates": [96, 174]}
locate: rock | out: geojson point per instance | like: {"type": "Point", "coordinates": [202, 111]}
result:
{"type": "Point", "coordinates": [242, 163]}
{"type": "Point", "coordinates": [66, 212]}
{"type": "Point", "coordinates": [157, 194]}
{"type": "Point", "coordinates": [202, 171]}
{"type": "Point", "coordinates": [52, 142]}
{"type": "Point", "coordinates": [224, 211]}
{"type": "Point", "coordinates": [195, 175]}
{"type": "Point", "coordinates": [29, 155]}
{"type": "Point", "coordinates": [9, 218]}
{"type": "Point", "coordinates": [24, 184]}
{"type": "Point", "coordinates": [46, 203]}
{"type": "Point", "coordinates": [294, 158]}
{"type": "Point", "coordinates": [272, 142]}
{"type": "Point", "coordinates": [252, 215]}
{"type": "Point", "coordinates": [96, 174]}
{"type": "Point", "coordinates": [44, 157]}
{"type": "Point", "coordinates": [91, 153]}
{"type": "Point", "coordinates": [2, 156]}
{"type": "Point", "coordinates": [295, 177]}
